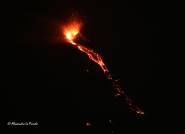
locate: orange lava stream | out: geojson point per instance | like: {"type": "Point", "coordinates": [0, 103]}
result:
{"type": "Point", "coordinates": [98, 59]}
{"type": "Point", "coordinates": [71, 30]}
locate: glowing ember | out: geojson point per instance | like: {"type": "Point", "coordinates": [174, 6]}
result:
{"type": "Point", "coordinates": [111, 122]}
{"type": "Point", "coordinates": [70, 31]}
{"type": "Point", "coordinates": [88, 124]}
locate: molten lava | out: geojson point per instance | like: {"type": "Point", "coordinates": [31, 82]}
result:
{"type": "Point", "coordinates": [70, 31]}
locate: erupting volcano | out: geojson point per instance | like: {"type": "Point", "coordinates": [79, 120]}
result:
{"type": "Point", "coordinates": [71, 30]}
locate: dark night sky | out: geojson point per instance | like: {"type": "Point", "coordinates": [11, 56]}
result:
{"type": "Point", "coordinates": [47, 82]}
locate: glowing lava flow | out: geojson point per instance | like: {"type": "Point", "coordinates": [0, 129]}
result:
{"type": "Point", "coordinates": [98, 59]}
{"type": "Point", "coordinates": [70, 31]}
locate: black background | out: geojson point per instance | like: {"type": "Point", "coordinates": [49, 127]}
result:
{"type": "Point", "coordinates": [47, 81]}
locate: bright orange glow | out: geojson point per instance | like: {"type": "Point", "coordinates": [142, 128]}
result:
{"type": "Point", "coordinates": [72, 28]}
{"type": "Point", "coordinates": [70, 31]}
